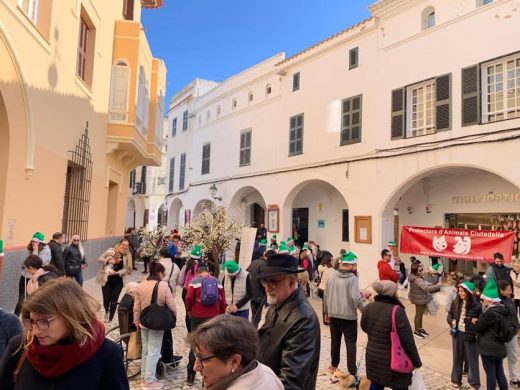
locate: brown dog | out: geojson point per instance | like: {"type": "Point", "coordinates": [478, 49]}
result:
{"type": "Point", "coordinates": [346, 381]}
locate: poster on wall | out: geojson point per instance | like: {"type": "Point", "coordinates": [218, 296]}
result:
{"type": "Point", "coordinates": [273, 218]}
{"type": "Point", "coordinates": [462, 244]}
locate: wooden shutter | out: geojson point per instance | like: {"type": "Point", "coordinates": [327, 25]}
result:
{"type": "Point", "coordinates": [471, 95]}
{"type": "Point", "coordinates": [443, 102]}
{"type": "Point", "coordinates": [398, 113]}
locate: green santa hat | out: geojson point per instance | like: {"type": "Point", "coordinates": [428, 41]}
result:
{"type": "Point", "coordinates": [292, 249]}
{"type": "Point", "coordinates": [231, 267]}
{"type": "Point", "coordinates": [195, 252]}
{"type": "Point", "coordinates": [391, 243]}
{"type": "Point", "coordinates": [436, 267]}
{"type": "Point", "coordinates": [282, 248]}
{"type": "Point", "coordinates": [349, 258]}
{"type": "Point", "coordinates": [2, 248]}
{"type": "Point", "coordinates": [490, 292]}
{"type": "Point", "coordinates": [470, 287]}
{"type": "Point", "coordinates": [273, 237]}
{"type": "Point", "coordinates": [263, 241]}
{"type": "Point", "coordinates": [305, 247]}
{"type": "Point", "coordinates": [289, 239]}
{"type": "Point", "coordinates": [38, 237]}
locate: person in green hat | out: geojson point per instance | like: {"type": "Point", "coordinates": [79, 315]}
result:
{"type": "Point", "coordinates": [492, 350]}
{"type": "Point", "coordinates": [237, 289]}
{"type": "Point", "coordinates": [342, 300]}
{"type": "Point", "coordinates": [187, 274]}
{"type": "Point", "coordinates": [36, 246]}
{"type": "Point", "coordinates": [273, 244]}
{"type": "Point", "coordinates": [464, 311]}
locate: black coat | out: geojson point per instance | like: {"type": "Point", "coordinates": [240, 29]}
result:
{"type": "Point", "coordinates": [473, 311]}
{"type": "Point", "coordinates": [57, 256]}
{"type": "Point", "coordinates": [104, 370]}
{"type": "Point", "coordinates": [486, 328]}
{"type": "Point", "coordinates": [73, 260]}
{"type": "Point", "coordinates": [376, 322]}
{"type": "Point", "coordinates": [258, 290]}
{"type": "Point", "coordinates": [290, 342]}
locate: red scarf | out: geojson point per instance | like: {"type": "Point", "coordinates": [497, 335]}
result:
{"type": "Point", "coordinates": [55, 360]}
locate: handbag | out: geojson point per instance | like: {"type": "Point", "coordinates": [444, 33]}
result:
{"type": "Point", "coordinates": [399, 360]}
{"type": "Point", "coordinates": [157, 317]}
{"type": "Point", "coordinates": [134, 348]}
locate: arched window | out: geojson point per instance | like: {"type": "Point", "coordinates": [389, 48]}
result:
{"type": "Point", "coordinates": [143, 100]}
{"type": "Point", "coordinates": [118, 110]}
{"type": "Point", "coordinates": [268, 89]}
{"type": "Point", "coordinates": [428, 18]}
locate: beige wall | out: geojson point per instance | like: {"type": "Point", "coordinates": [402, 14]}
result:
{"type": "Point", "coordinates": [47, 107]}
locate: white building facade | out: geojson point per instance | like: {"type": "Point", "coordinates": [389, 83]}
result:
{"type": "Point", "coordinates": [410, 117]}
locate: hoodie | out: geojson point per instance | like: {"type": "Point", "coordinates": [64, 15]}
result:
{"type": "Point", "coordinates": [342, 298]}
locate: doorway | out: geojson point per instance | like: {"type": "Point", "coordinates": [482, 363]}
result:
{"type": "Point", "coordinates": [257, 215]}
{"type": "Point", "coordinates": [300, 225]}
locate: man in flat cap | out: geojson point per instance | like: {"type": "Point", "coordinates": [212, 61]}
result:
{"type": "Point", "coordinates": [290, 336]}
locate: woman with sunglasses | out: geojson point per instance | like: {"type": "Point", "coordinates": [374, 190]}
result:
{"type": "Point", "coordinates": [226, 348]}
{"type": "Point", "coordinates": [63, 345]}
{"type": "Point", "coordinates": [74, 259]}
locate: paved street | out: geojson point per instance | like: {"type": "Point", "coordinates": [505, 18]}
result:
{"type": "Point", "coordinates": [435, 351]}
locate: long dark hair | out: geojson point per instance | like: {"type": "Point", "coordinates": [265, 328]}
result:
{"type": "Point", "coordinates": [469, 298]}
{"type": "Point", "coordinates": [326, 260]}
{"type": "Point", "coordinates": [155, 269]}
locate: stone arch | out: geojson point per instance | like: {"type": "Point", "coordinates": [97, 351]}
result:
{"type": "Point", "coordinates": [201, 205]}
{"type": "Point", "coordinates": [248, 203]}
{"type": "Point", "coordinates": [327, 216]}
{"type": "Point", "coordinates": [175, 219]}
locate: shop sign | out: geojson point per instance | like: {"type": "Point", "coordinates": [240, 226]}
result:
{"type": "Point", "coordinates": [486, 198]}
{"type": "Point", "coordinates": [463, 244]}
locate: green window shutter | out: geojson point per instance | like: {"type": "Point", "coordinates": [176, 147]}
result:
{"type": "Point", "coordinates": [471, 95]}
{"type": "Point", "coordinates": [351, 115]}
{"type": "Point", "coordinates": [398, 113]}
{"type": "Point", "coordinates": [443, 102]}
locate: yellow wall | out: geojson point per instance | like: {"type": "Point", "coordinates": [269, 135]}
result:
{"type": "Point", "coordinates": [44, 107]}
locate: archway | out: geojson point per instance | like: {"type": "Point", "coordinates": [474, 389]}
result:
{"type": "Point", "coordinates": [201, 205]}
{"type": "Point", "coordinates": [248, 203]}
{"type": "Point", "coordinates": [175, 217]}
{"type": "Point", "coordinates": [317, 211]}
{"type": "Point", "coordinates": [452, 196]}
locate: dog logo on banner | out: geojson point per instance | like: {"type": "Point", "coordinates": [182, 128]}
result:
{"type": "Point", "coordinates": [439, 243]}
{"type": "Point", "coordinates": [462, 245]}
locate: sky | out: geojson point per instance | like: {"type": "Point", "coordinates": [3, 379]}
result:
{"type": "Point", "coordinates": [215, 39]}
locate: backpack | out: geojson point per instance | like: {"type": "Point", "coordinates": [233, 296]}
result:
{"type": "Point", "coordinates": [506, 328]}
{"type": "Point", "coordinates": [209, 290]}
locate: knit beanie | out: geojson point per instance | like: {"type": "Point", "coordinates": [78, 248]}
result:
{"type": "Point", "coordinates": [385, 287]}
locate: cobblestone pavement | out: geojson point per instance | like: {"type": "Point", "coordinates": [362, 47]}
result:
{"type": "Point", "coordinates": [435, 351]}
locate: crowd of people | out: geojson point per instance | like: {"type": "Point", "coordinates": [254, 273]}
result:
{"type": "Point", "coordinates": [54, 339]}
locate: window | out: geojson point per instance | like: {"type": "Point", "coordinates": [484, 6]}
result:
{"type": "Point", "coordinates": [30, 7]}
{"type": "Point", "coordinates": [86, 41]}
{"type": "Point", "coordinates": [200, 119]}
{"type": "Point", "coordinates": [208, 116]}
{"type": "Point", "coordinates": [501, 89]}
{"type": "Point", "coordinates": [268, 89]}
{"type": "Point", "coordinates": [296, 81]}
{"type": "Point", "coordinates": [422, 108]}
{"type": "Point", "coordinates": [174, 127]}
{"type": "Point", "coordinates": [483, 2]}
{"type": "Point", "coordinates": [143, 101]}
{"type": "Point", "coordinates": [234, 103]}
{"type": "Point", "coordinates": [345, 226]}
{"type": "Point", "coordinates": [245, 147]}
{"type": "Point", "coordinates": [143, 180]}
{"type": "Point", "coordinates": [119, 92]}
{"type": "Point", "coordinates": [182, 172]}
{"type": "Point", "coordinates": [250, 96]}
{"type": "Point", "coordinates": [218, 111]}
{"type": "Point", "coordinates": [206, 154]}
{"type": "Point", "coordinates": [351, 120]}
{"type": "Point", "coordinates": [428, 18]}
{"type": "Point", "coordinates": [185, 120]}
{"type": "Point", "coordinates": [353, 58]}
{"type": "Point", "coordinates": [296, 135]}
{"type": "Point", "coordinates": [132, 179]}
{"type": "Point", "coordinates": [128, 9]}
{"type": "Point", "coordinates": [172, 172]}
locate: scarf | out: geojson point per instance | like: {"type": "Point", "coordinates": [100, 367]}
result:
{"type": "Point", "coordinates": [55, 360]}
{"type": "Point", "coordinates": [227, 381]}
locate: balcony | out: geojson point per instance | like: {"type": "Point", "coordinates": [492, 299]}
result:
{"type": "Point", "coordinates": [127, 143]}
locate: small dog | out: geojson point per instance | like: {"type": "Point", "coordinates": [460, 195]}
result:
{"type": "Point", "coordinates": [346, 381]}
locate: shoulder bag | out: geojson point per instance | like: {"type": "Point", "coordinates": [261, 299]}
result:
{"type": "Point", "coordinates": [157, 317]}
{"type": "Point", "coordinates": [399, 360]}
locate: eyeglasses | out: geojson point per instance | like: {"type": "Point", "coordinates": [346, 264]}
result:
{"type": "Point", "coordinates": [272, 282]}
{"type": "Point", "coordinates": [42, 324]}
{"type": "Point", "coordinates": [201, 360]}
{"type": "Point", "coordinates": [75, 240]}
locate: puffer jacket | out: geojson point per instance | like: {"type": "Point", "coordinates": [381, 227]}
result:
{"type": "Point", "coordinates": [290, 342]}
{"type": "Point", "coordinates": [73, 260]}
{"type": "Point", "coordinates": [420, 290]}
{"type": "Point", "coordinates": [486, 329]}
{"type": "Point", "coordinates": [376, 322]}
{"type": "Point", "coordinates": [473, 311]}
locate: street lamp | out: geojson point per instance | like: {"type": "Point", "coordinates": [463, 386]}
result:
{"type": "Point", "coordinates": [213, 192]}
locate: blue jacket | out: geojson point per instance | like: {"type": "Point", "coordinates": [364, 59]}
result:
{"type": "Point", "coordinates": [10, 326]}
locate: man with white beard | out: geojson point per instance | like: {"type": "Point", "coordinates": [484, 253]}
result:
{"type": "Point", "coordinates": [290, 335]}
